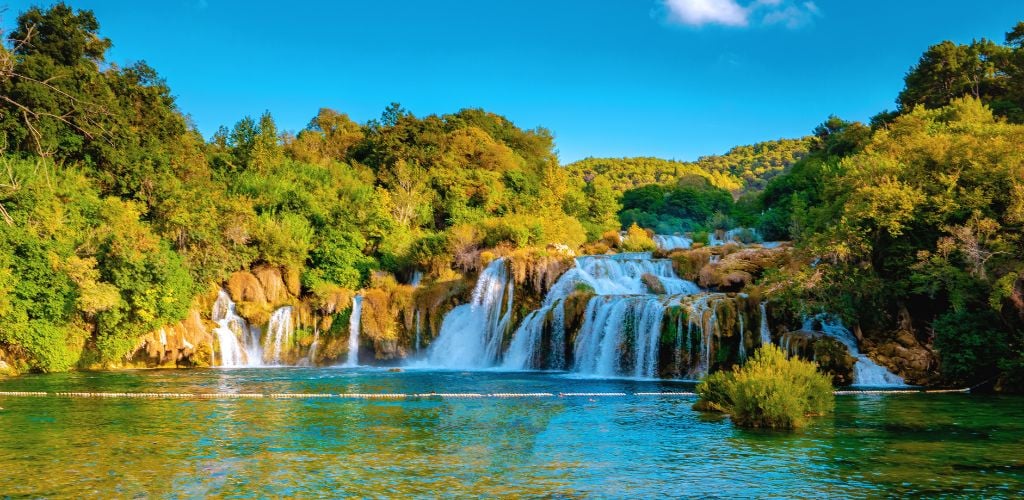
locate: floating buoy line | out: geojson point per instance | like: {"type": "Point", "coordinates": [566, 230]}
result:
{"type": "Point", "coordinates": [424, 395]}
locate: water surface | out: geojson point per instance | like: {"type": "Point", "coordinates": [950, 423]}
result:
{"type": "Point", "coordinates": [630, 446]}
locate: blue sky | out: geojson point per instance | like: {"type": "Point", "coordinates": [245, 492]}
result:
{"type": "Point", "coordinates": [668, 78]}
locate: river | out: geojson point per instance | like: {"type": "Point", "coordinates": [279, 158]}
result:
{"type": "Point", "coordinates": [626, 445]}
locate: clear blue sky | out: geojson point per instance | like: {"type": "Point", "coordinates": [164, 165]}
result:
{"type": "Point", "coordinates": [668, 78]}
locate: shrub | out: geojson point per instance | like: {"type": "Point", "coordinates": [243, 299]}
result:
{"type": "Point", "coordinates": [970, 345]}
{"type": "Point", "coordinates": [637, 240]}
{"type": "Point", "coordinates": [713, 392]}
{"type": "Point", "coordinates": [769, 391]}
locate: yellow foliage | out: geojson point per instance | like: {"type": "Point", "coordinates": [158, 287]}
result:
{"type": "Point", "coordinates": [638, 240]}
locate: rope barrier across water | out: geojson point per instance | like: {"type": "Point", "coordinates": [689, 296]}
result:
{"type": "Point", "coordinates": [425, 395]}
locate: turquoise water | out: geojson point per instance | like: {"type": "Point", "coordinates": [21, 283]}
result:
{"type": "Point", "coordinates": [632, 446]}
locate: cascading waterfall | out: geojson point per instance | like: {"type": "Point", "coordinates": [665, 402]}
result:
{"type": "Point", "coordinates": [419, 330]}
{"type": "Point", "coordinates": [471, 334]}
{"type": "Point", "coordinates": [279, 334]}
{"type": "Point", "coordinates": [667, 242]}
{"type": "Point", "coordinates": [702, 318]}
{"type": "Point", "coordinates": [735, 235]}
{"type": "Point", "coordinates": [239, 343]}
{"type": "Point", "coordinates": [525, 352]}
{"type": "Point", "coordinates": [311, 357]}
{"type": "Point", "coordinates": [354, 325]}
{"type": "Point", "coordinates": [708, 319]}
{"type": "Point", "coordinates": [865, 371]}
{"type": "Point", "coordinates": [620, 274]}
{"type": "Point", "coordinates": [610, 322]}
{"type": "Point", "coordinates": [622, 324]}
{"type": "Point", "coordinates": [766, 333]}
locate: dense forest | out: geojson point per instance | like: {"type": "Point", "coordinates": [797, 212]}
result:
{"type": "Point", "coordinates": [117, 218]}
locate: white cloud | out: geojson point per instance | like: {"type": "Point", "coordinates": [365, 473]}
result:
{"type": "Point", "coordinates": [788, 13]}
{"type": "Point", "coordinates": [699, 12]}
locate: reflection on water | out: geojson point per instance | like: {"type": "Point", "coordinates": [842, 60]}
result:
{"type": "Point", "coordinates": [566, 447]}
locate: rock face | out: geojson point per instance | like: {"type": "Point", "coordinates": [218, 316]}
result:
{"type": "Point", "coordinates": [906, 356]}
{"type": "Point", "coordinates": [6, 370]}
{"type": "Point", "coordinates": [728, 268]}
{"type": "Point", "coordinates": [187, 343]}
{"type": "Point", "coordinates": [831, 355]}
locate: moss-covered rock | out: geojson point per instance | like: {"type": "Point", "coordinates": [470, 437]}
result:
{"type": "Point", "coordinates": [831, 355]}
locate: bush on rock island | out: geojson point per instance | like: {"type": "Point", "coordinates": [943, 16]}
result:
{"type": "Point", "coordinates": [769, 391]}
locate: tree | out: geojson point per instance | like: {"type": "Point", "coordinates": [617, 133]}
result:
{"type": "Point", "coordinates": [60, 33]}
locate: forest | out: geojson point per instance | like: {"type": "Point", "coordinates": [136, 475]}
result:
{"type": "Point", "coordinates": [118, 219]}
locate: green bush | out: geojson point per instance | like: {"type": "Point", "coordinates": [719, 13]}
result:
{"type": "Point", "coordinates": [970, 345]}
{"type": "Point", "coordinates": [713, 391]}
{"type": "Point", "coordinates": [769, 391]}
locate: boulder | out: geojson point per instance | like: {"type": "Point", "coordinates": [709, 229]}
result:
{"type": "Point", "coordinates": [905, 356]}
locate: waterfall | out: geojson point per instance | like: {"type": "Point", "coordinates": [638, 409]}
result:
{"type": "Point", "coordinates": [279, 334]}
{"type": "Point", "coordinates": [667, 242]}
{"type": "Point", "coordinates": [865, 371]}
{"type": "Point", "coordinates": [615, 325]}
{"type": "Point", "coordinates": [625, 307]}
{"type": "Point", "coordinates": [419, 330]}
{"type": "Point", "coordinates": [766, 333]}
{"type": "Point", "coordinates": [743, 338]}
{"type": "Point", "coordinates": [471, 334]}
{"type": "Point", "coordinates": [702, 318]}
{"type": "Point", "coordinates": [621, 274]}
{"type": "Point", "coordinates": [239, 343]}
{"type": "Point", "coordinates": [735, 235]}
{"type": "Point", "coordinates": [354, 324]}
{"type": "Point", "coordinates": [557, 359]}
{"type": "Point", "coordinates": [706, 318]}
{"type": "Point", "coordinates": [526, 340]}
{"type": "Point", "coordinates": [417, 276]}
{"type": "Point", "coordinates": [311, 357]}
{"type": "Point", "coordinates": [525, 352]}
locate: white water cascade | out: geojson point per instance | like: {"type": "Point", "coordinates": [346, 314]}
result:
{"type": "Point", "coordinates": [354, 326]}
{"type": "Point", "coordinates": [239, 343]}
{"type": "Point", "coordinates": [313, 346]}
{"type": "Point", "coordinates": [626, 313]}
{"type": "Point", "coordinates": [620, 274]}
{"type": "Point", "coordinates": [766, 333]}
{"type": "Point", "coordinates": [610, 322]}
{"type": "Point", "coordinates": [667, 242]}
{"type": "Point", "coordinates": [419, 331]}
{"type": "Point", "coordinates": [735, 235]}
{"type": "Point", "coordinates": [279, 334]}
{"type": "Point", "coordinates": [865, 371]}
{"type": "Point", "coordinates": [417, 277]}
{"type": "Point", "coordinates": [471, 334]}
{"type": "Point", "coordinates": [701, 319]}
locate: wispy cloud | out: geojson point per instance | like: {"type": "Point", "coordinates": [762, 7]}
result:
{"type": "Point", "coordinates": [788, 13]}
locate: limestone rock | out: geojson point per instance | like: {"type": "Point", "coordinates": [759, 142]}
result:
{"type": "Point", "coordinates": [904, 355]}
